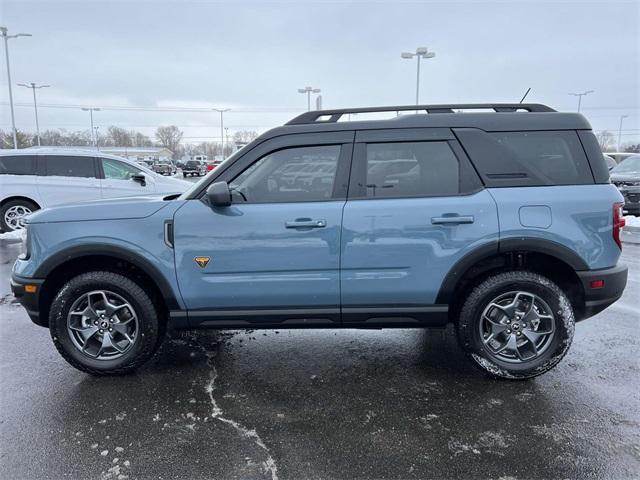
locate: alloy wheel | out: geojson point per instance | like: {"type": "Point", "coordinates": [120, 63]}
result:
{"type": "Point", "coordinates": [102, 325]}
{"type": "Point", "coordinates": [517, 326]}
{"type": "Point", "coordinates": [14, 215]}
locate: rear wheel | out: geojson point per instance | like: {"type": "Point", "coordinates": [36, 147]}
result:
{"type": "Point", "coordinates": [13, 212]}
{"type": "Point", "coordinates": [104, 323]}
{"type": "Point", "coordinates": [516, 325]}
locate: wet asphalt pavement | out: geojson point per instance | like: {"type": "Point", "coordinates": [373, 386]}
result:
{"type": "Point", "coordinates": [321, 404]}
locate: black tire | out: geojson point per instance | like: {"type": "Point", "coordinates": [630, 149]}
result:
{"type": "Point", "coordinates": [147, 340]}
{"type": "Point", "coordinates": [481, 297]}
{"type": "Point", "coordinates": [4, 226]}
{"type": "Point", "coordinates": [184, 175]}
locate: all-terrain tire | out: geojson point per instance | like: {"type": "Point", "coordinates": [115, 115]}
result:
{"type": "Point", "coordinates": [150, 328]}
{"type": "Point", "coordinates": [481, 297]}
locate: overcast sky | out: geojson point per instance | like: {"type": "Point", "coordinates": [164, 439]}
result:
{"type": "Point", "coordinates": [253, 56]}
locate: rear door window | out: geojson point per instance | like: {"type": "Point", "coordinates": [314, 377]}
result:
{"type": "Point", "coordinates": [411, 169]}
{"type": "Point", "coordinates": [70, 166]}
{"type": "Point", "coordinates": [18, 165]}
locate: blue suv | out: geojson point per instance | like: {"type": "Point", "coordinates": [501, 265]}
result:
{"type": "Point", "coordinates": [498, 218]}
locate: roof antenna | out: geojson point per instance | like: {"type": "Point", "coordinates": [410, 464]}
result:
{"type": "Point", "coordinates": [525, 94]}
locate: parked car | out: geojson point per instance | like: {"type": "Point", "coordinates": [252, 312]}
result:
{"type": "Point", "coordinates": [212, 164]}
{"type": "Point", "coordinates": [146, 163]}
{"type": "Point", "coordinates": [31, 179]}
{"type": "Point", "coordinates": [626, 176]}
{"type": "Point", "coordinates": [619, 156]}
{"type": "Point", "coordinates": [504, 224]}
{"type": "Point", "coordinates": [609, 161]}
{"type": "Point", "coordinates": [164, 168]}
{"type": "Point", "coordinates": [194, 167]}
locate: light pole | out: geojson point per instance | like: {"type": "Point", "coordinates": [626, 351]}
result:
{"type": "Point", "coordinates": [226, 133]}
{"type": "Point", "coordinates": [33, 87]}
{"type": "Point", "coordinates": [622, 117]}
{"type": "Point", "coordinates": [97, 138]}
{"type": "Point", "coordinates": [421, 52]}
{"type": "Point", "coordinates": [91, 110]}
{"type": "Point", "coordinates": [6, 36]}
{"type": "Point", "coordinates": [580, 95]}
{"type": "Point", "coordinates": [308, 91]}
{"type": "Point", "coordinates": [222, 110]}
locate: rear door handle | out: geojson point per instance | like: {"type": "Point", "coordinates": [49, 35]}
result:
{"type": "Point", "coordinates": [452, 220]}
{"type": "Point", "coordinates": [306, 223]}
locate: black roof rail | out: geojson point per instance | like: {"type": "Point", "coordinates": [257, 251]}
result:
{"type": "Point", "coordinates": [333, 116]}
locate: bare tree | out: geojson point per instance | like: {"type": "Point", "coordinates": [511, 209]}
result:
{"type": "Point", "coordinates": [169, 137]}
{"type": "Point", "coordinates": [633, 148]}
{"type": "Point", "coordinates": [140, 139]}
{"type": "Point", "coordinates": [245, 136]}
{"type": "Point", "coordinates": [118, 137]}
{"type": "Point", "coordinates": [606, 140]}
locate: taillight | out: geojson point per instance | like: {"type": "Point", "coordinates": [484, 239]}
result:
{"type": "Point", "coordinates": [618, 222]}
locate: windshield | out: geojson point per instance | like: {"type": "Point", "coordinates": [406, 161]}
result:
{"type": "Point", "coordinates": [628, 165]}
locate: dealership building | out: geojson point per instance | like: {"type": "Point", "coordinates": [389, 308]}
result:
{"type": "Point", "coordinates": [140, 153]}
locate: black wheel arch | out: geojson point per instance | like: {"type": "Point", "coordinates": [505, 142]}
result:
{"type": "Point", "coordinates": [78, 259]}
{"type": "Point", "coordinates": [516, 253]}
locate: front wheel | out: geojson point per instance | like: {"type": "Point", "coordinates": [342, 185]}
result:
{"type": "Point", "coordinates": [516, 325]}
{"type": "Point", "coordinates": [104, 323]}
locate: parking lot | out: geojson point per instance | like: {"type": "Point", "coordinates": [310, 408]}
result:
{"type": "Point", "coordinates": [321, 404]}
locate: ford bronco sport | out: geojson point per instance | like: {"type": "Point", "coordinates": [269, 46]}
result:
{"type": "Point", "coordinates": [501, 221]}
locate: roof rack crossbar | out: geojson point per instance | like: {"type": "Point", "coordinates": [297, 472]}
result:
{"type": "Point", "coordinates": [335, 115]}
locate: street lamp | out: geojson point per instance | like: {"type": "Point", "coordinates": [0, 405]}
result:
{"type": "Point", "coordinates": [221, 110]}
{"type": "Point", "coordinates": [622, 117]}
{"type": "Point", "coordinates": [421, 52]}
{"type": "Point", "coordinates": [580, 95]}
{"type": "Point", "coordinates": [97, 137]}
{"type": "Point", "coordinates": [5, 34]}
{"type": "Point", "coordinates": [33, 87]}
{"type": "Point", "coordinates": [91, 110]}
{"type": "Point", "coordinates": [308, 91]}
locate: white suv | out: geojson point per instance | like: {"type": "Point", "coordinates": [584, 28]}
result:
{"type": "Point", "coordinates": [31, 179]}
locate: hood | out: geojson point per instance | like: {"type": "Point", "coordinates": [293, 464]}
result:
{"type": "Point", "coordinates": [625, 177]}
{"type": "Point", "coordinates": [170, 184]}
{"type": "Point", "coordinates": [110, 209]}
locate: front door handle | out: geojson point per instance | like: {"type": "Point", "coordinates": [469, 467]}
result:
{"type": "Point", "coordinates": [306, 223]}
{"type": "Point", "coordinates": [452, 220]}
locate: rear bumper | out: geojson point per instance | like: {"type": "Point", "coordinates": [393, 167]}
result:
{"type": "Point", "coordinates": [30, 301]}
{"type": "Point", "coordinates": [597, 299]}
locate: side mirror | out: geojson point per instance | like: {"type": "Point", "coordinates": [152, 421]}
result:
{"type": "Point", "coordinates": [219, 194]}
{"type": "Point", "coordinates": [140, 178]}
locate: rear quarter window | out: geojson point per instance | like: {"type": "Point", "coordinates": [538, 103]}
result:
{"type": "Point", "coordinates": [18, 165]}
{"type": "Point", "coordinates": [70, 166]}
{"type": "Point", "coordinates": [527, 158]}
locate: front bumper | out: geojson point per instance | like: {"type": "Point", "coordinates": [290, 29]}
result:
{"type": "Point", "coordinates": [597, 299]}
{"type": "Point", "coordinates": [29, 300]}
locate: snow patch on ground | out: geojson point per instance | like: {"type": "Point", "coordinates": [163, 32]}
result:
{"type": "Point", "coordinates": [216, 413]}
{"type": "Point", "coordinates": [12, 235]}
{"type": "Point", "coordinates": [632, 221]}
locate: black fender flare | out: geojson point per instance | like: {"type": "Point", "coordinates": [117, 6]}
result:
{"type": "Point", "coordinates": [119, 253]}
{"type": "Point", "coordinates": [519, 244]}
